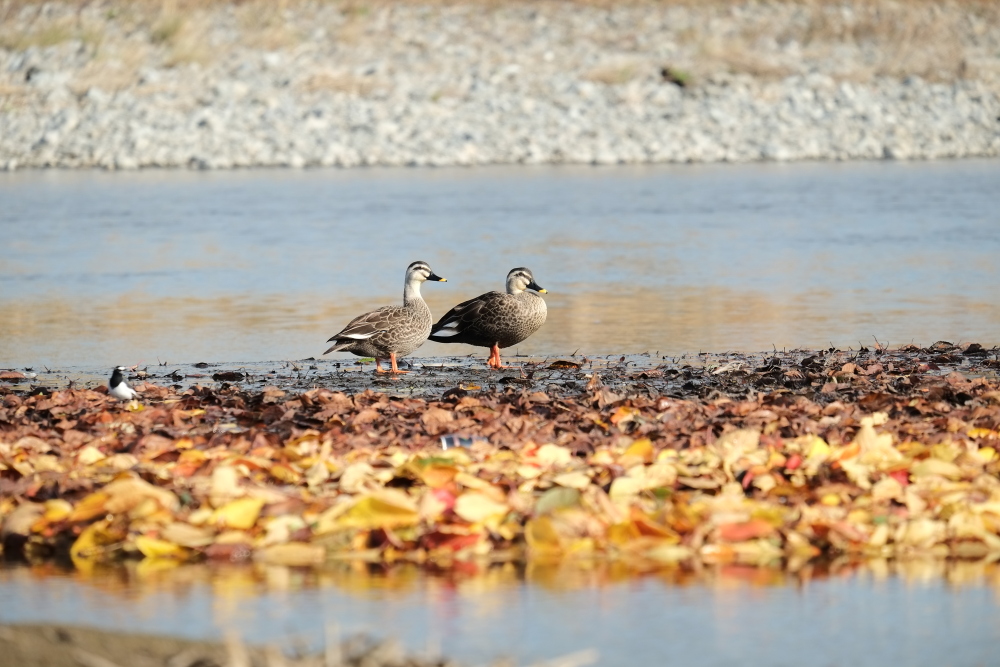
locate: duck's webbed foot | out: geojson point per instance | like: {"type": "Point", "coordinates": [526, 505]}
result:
{"type": "Point", "coordinates": [395, 369]}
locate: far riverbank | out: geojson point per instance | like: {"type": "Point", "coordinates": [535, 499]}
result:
{"type": "Point", "coordinates": [217, 85]}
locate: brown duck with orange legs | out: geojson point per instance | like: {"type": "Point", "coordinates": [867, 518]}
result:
{"type": "Point", "coordinates": [496, 319]}
{"type": "Point", "coordinates": [391, 332]}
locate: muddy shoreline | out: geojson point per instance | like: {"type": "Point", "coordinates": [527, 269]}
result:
{"type": "Point", "coordinates": [689, 376]}
{"type": "Point", "coordinates": [38, 645]}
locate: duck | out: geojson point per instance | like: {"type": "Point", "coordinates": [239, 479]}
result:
{"type": "Point", "coordinates": [118, 387]}
{"type": "Point", "coordinates": [391, 332]}
{"type": "Point", "coordinates": [496, 319]}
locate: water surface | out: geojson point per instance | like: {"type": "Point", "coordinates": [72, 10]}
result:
{"type": "Point", "coordinates": [917, 613]}
{"type": "Point", "coordinates": [103, 268]}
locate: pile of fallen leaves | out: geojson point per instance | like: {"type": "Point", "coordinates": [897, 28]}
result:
{"type": "Point", "coordinates": [868, 457]}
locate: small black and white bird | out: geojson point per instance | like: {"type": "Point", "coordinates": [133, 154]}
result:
{"type": "Point", "coordinates": [118, 387]}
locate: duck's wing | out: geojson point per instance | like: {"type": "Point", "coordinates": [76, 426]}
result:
{"type": "Point", "coordinates": [365, 326]}
{"type": "Point", "coordinates": [464, 318]}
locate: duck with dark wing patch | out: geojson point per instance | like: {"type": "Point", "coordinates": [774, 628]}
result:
{"type": "Point", "coordinates": [391, 332]}
{"type": "Point", "coordinates": [496, 319]}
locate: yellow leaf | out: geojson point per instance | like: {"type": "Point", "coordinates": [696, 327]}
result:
{"type": "Point", "coordinates": [93, 540]}
{"type": "Point", "coordinates": [89, 455]}
{"type": "Point", "coordinates": [57, 509]}
{"type": "Point", "coordinates": [640, 451]}
{"type": "Point", "coordinates": [387, 508]}
{"type": "Point", "coordinates": [280, 528]}
{"type": "Point", "coordinates": [922, 533]}
{"type": "Point", "coordinates": [476, 507]}
{"type": "Point", "coordinates": [542, 537]}
{"type": "Point", "coordinates": [285, 473]}
{"type": "Point", "coordinates": [573, 480]}
{"type": "Point", "coordinates": [192, 456]}
{"type": "Point", "coordinates": [356, 477]}
{"type": "Point", "coordinates": [187, 535]}
{"type": "Point", "coordinates": [665, 552]}
{"type": "Point", "coordinates": [887, 488]}
{"type": "Point", "coordinates": [623, 415]}
{"type": "Point", "coordinates": [200, 516]}
{"type": "Point", "coordinates": [936, 467]}
{"type": "Point", "coordinates": [126, 493]}
{"type": "Point", "coordinates": [85, 545]}
{"type": "Point", "coordinates": [553, 455]}
{"type": "Point", "coordinates": [151, 547]}
{"type": "Point", "coordinates": [875, 448]}
{"type": "Point", "coordinates": [818, 449]}
{"type": "Point", "coordinates": [620, 534]}
{"type": "Point", "coordinates": [240, 514]}
{"type": "Point", "coordinates": [624, 489]}
{"type": "Point", "coordinates": [225, 485]}
{"type": "Point", "coordinates": [528, 471]}
{"type": "Point", "coordinates": [293, 554]}
{"type": "Point", "coordinates": [90, 507]}
{"type": "Point", "coordinates": [434, 475]}
{"type": "Point", "coordinates": [734, 445]}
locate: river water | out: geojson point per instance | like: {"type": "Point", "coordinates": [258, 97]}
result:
{"type": "Point", "coordinates": [102, 268]}
{"type": "Point", "coordinates": [916, 613]}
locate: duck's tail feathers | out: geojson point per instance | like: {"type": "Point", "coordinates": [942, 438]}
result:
{"type": "Point", "coordinates": [444, 336]}
{"type": "Point", "coordinates": [339, 345]}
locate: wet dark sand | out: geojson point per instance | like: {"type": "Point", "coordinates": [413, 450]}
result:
{"type": "Point", "coordinates": [694, 376]}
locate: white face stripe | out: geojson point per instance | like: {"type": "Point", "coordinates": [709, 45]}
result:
{"type": "Point", "coordinates": [522, 273]}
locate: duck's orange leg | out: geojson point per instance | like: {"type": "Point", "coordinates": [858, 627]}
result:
{"type": "Point", "coordinates": [494, 360]}
{"type": "Point", "coordinates": [392, 358]}
{"type": "Point", "coordinates": [378, 366]}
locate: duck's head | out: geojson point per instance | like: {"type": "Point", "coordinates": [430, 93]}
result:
{"type": "Point", "coordinates": [520, 279]}
{"type": "Point", "coordinates": [420, 272]}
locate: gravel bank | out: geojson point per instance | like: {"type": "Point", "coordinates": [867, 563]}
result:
{"type": "Point", "coordinates": [219, 85]}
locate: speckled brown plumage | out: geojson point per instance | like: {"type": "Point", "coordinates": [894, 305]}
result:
{"type": "Point", "coordinates": [390, 332]}
{"type": "Point", "coordinates": [495, 319]}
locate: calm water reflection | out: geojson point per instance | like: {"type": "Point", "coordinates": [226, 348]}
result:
{"type": "Point", "coordinates": [914, 613]}
{"type": "Point", "coordinates": [102, 268]}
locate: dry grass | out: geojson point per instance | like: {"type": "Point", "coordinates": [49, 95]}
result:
{"type": "Point", "coordinates": [111, 71]}
{"type": "Point", "coordinates": [263, 25]}
{"type": "Point", "coordinates": [896, 38]}
{"type": "Point", "coordinates": [920, 40]}
{"type": "Point", "coordinates": [46, 33]}
{"type": "Point", "coordinates": [739, 56]}
{"type": "Point", "coordinates": [340, 82]}
{"type": "Point", "coordinates": [614, 74]}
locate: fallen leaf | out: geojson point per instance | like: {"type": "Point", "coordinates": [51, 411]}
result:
{"type": "Point", "coordinates": [240, 514]}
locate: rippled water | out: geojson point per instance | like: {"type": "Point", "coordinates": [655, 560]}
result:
{"type": "Point", "coordinates": [103, 268]}
{"type": "Point", "coordinates": [912, 613]}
